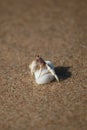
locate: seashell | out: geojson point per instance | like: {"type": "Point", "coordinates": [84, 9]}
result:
{"type": "Point", "coordinates": [43, 71]}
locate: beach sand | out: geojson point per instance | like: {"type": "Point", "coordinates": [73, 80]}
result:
{"type": "Point", "coordinates": [57, 31]}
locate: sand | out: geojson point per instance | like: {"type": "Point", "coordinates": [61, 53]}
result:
{"type": "Point", "coordinates": [57, 31]}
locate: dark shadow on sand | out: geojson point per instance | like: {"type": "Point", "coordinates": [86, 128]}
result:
{"type": "Point", "coordinates": [63, 72]}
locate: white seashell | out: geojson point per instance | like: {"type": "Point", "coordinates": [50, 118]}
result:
{"type": "Point", "coordinates": [33, 67]}
{"type": "Point", "coordinates": [43, 75]}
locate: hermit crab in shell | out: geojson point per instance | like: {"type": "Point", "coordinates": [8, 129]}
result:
{"type": "Point", "coordinates": [43, 71]}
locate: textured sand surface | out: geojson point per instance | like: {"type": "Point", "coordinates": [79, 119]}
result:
{"type": "Point", "coordinates": [57, 30]}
